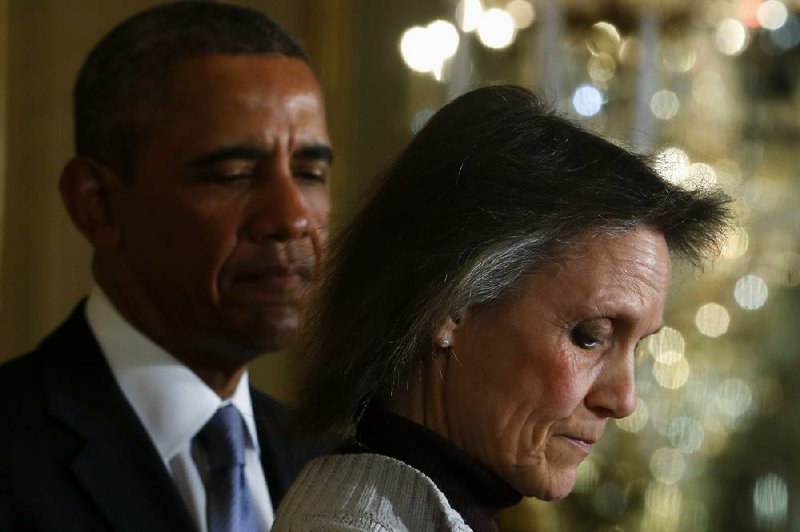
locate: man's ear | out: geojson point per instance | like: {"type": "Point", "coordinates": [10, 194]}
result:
{"type": "Point", "coordinates": [86, 188]}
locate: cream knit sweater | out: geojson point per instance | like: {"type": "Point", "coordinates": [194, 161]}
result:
{"type": "Point", "coordinates": [364, 492]}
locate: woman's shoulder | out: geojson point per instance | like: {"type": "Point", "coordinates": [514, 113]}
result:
{"type": "Point", "coordinates": [365, 492]}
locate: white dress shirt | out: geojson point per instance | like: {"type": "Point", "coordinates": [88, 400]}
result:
{"type": "Point", "coordinates": [173, 404]}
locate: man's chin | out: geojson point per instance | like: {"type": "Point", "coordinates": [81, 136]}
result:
{"type": "Point", "coordinates": [275, 335]}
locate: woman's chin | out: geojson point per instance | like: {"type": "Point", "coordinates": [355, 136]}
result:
{"type": "Point", "coordinates": [550, 486]}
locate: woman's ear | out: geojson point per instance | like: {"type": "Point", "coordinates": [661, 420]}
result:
{"type": "Point", "coordinates": [86, 188]}
{"type": "Point", "coordinates": [444, 337]}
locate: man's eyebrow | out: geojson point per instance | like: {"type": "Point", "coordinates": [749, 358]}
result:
{"type": "Point", "coordinates": [318, 152]}
{"type": "Point", "coordinates": [246, 153]}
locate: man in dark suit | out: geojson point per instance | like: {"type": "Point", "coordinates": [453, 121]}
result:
{"type": "Point", "coordinates": [201, 181]}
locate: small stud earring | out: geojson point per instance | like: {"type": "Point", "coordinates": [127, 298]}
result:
{"type": "Point", "coordinates": [444, 343]}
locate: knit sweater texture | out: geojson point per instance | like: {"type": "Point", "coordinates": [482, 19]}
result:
{"type": "Point", "coordinates": [365, 492]}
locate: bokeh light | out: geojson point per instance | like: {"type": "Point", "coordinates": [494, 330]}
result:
{"type": "Point", "coordinates": [668, 345]}
{"type": "Point", "coordinates": [425, 49]}
{"type": "Point", "coordinates": [469, 14]}
{"type": "Point", "coordinates": [751, 292]}
{"type": "Point", "coordinates": [522, 13]}
{"type": "Point", "coordinates": [770, 502]}
{"type": "Point", "coordinates": [731, 37]}
{"type": "Point", "coordinates": [772, 14]}
{"type": "Point", "coordinates": [496, 29]}
{"type": "Point", "coordinates": [736, 244]}
{"type": "Point", "coordinates": [734, 397]}
{"type": "Point", "coordinates": [587, 100]}
{"type": "Point", "coordinates": [673, 164]}
{"type": "Point", "coordinates": [700, 175]}
{"type": "Point", "coordinates": [663, 500]}
{"type": "Point", "coordinates": [729, 173]}
{"type": "Point", "coordinates": [686, 434]}
{"type": "Point", "coordinates": [672, 375]}
{"type": "Point", "coordinates": [413, 49]}
{"type": "Point", "coordinates": [604, 38]}
{"type": "Point", "coordinates": [712, 319]}
{"type": "Point", "coordinates": [667, 465]}
{"type": "Point", "coordinates": [787, 36]}
{"type": "Point", "coordinates": [636, 421]}
{"type": "Point", "coordinates": [587, 477]}
{"type": "Point", "coordinates": [664, 104]}
{"type": "Point", "coordinates": [601, 67]}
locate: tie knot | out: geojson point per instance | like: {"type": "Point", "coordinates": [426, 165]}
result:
{"type": "Point", "coordinates": [223, 438]}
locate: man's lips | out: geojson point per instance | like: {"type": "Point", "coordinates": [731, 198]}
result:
{"type": "Point", "coordinates": [273, 284]}
{"type": "Point", "coordinates": [278, 273]}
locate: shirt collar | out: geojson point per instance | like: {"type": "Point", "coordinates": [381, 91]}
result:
{"type": "Point", "coordinates": [171, 401]}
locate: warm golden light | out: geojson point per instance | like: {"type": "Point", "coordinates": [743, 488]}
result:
{"type": "Point", "coordinates": [672, 375]}
{"type": "Point", "coordinates": [601, 67]}
{"type": "Point", "coordinates": [667, 345]}
{"type": "Point", "coordinates": [731, 37]}
{"type": "Point", "coordinates": [701, 175]}
{"type": "Point", "coordinates": [496, 29]}
{"type": "Point", "coordinates": [673, 164]}
{"type": "Point", "coordinates": [663, 500]}
{"type": "Point", "coordinates": [636, 421]}
{"type": "Point", "coordinates": [664, 104]}
{"type": "Point", "coordinates": [425, 49]}
{"type": "Point", "coordinates": [737, 243]}
{"type": "Point", "coordinates": [667, 465]}
{"type": "Point", "coordinates": [712, 320]}
{"type": "Point", "coordinates": [588, 476]}
{"type": "Point", "coordinates": [522, 13]}
{"type": "Point", "coordinates": [468, 15]}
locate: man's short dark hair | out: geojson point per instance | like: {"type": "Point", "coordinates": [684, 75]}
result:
{"type": "Point", "coordinates": [125, 78]}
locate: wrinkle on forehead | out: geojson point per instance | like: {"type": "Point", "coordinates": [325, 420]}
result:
{"type": "Point", "coordinates": [633, 263]}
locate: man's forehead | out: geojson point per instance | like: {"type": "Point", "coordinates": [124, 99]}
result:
{"type": "Point", "coordinates": [281, 69]}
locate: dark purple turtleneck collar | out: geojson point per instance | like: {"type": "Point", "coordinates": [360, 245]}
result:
{"type": "Point", "coordinates": [472, 489]}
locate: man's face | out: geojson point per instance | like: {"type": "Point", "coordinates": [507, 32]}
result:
{"type": "Point", "coordinates": [227, 209]}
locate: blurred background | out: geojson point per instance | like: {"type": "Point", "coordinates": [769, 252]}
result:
{"type": "Point", "coordinates": [709, 88]}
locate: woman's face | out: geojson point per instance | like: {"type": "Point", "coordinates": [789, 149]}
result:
{"type": "Point", "coordinates": [528, 384]}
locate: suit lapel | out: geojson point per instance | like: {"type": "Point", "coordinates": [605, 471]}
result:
{"type": "Point", "coordinates": [117, 463]}
{"type": "Point", "coordinates": [276, 453]}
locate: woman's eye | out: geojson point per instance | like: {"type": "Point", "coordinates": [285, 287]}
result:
{"type": "Point", "coordinates": [591, 334]}
{"type": "Point", "coordinates": [583, 338]}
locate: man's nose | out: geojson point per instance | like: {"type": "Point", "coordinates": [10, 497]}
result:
{"type": "Point", "coordinates": [279, 210]}
{"type": "Point", "coordinates": [613, 393]}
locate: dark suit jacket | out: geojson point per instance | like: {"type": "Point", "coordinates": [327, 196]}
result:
{"type": "Point", "coordinates": [74, 455]}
